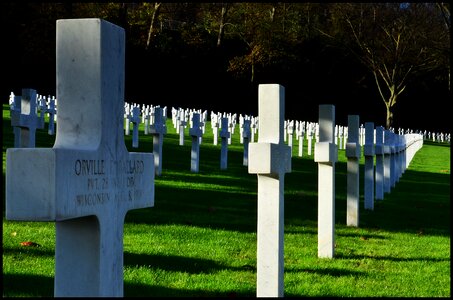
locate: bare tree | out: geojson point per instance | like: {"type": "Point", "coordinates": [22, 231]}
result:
{"type": "Point", "coordinates": [393, 40]}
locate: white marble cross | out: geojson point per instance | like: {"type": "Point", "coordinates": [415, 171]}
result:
{"type": "Point", "coordinates": [127, 116]}
{"type": "Point", "coordinates": [368, 152]}
{"type": "Point", "coordinates": [246, 132]}
{"type": "Point", "coordinates": [353, 153]}
{"type": "Point", "coordinates": [224, 135]}
{"type": "Point", "coordinates": [270, 159]}
{"type": "Point", "coordinates": [24, 116]}
{"type": "Point", "coordinates": [51, 110]}
{"type": "Point", "coordinates": [88, 181]}
{"type": "Point", "coordinates": [135, 119]}
{"type": "Point", "coordinates": [300, 134]}
{"type": "Point", "coordinates": [196, 134]}
{"type": "Point", "coordinates": [158, 130]}
{"type": "Point", "coordinates": [326, 154]}
{"type": "Point", "coordinates": [215, 127]}
{"type": "Point", "coordinates": [379, 173]}
{"type": "Point", "coordinates": [388, 152]}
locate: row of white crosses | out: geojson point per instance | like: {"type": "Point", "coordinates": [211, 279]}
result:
{"type": "Point", "coordinates": [24, 116]}
{"type": "Point", "coordinates": [271, 159]}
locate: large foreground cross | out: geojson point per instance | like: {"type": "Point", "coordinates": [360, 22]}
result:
{"type": "Point", "coordinates": [270, 159]}
{"type": "Point", "coordinates": [88, 181]}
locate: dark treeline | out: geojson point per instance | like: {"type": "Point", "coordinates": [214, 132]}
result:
{"type": "Point", "coordinates": [387, 62]}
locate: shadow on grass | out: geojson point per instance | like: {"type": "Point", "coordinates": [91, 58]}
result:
{"type": "Point", "coordinates": [389, 258]}
{"type": "Point", "coordinates": [140, 290]}
{"type": "Point", "coordinates": [26, 285]}
{"type": "Point", "coordinates": [334, 272]}
{"type": "Point", "coordinates": [29, 251]}
{"type": "Point", "coordinates": [180, 264]}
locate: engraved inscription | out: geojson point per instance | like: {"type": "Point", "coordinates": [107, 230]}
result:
{"type": "Point", "coordinates": [118, 183]}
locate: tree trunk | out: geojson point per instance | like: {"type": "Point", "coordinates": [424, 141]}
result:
{"type": "Point", "coordinates": [222, 25]}
{"type": "Point", "coordinates": [153, 21]}
{"type": "Point", "coordinates": [389, 106]}
{"type": "Point", "coordinates": [389, 118]}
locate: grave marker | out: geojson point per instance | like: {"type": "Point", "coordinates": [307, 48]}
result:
{"type": "Point", "coordinates": [215, 127]}
{"type": "Point", "coordinates": [88, 181]}
{"type": "Point", "coordinates": [353, 152]}
{"type": "Point", "coordinates": [127, 116]}
{"type": "Point", "coordinates": [300, 133]}
{"type": "Point", "coordinates": [326, 154]}
{"type": "Point", "coordinates": [158, 129]}
{"type": "Point", "coordinates": [309, 137]}
{"type": "Point", "coordinates": [224, 135]}
{"type": "Point", "coordinates": [196, 134]}
{"type": "Point", "coordinates": [246, 140]}
{"type": "Point", "coordinates": [26, 119]}
{"type": "Point", "coordinates": [387, 160]}
{"type": "Point", "coordinates": [15, 110]}
{"type": "Point", "coordinates": [368, 152]}
{"type": "Point", "coordinates": [51, 110]}
{"type": "Point", "coordinates": [135, 119]}
{"type": "Point", "coordinates": [379, 152]}
{"type": "Point", "coordinates": [270, 159]}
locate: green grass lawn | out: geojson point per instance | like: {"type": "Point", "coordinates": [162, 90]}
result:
{"type": "Point", "coordinates": [200, 237]}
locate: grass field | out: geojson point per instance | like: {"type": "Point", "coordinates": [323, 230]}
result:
{"type": "Point", "coordinates": [200, 237]}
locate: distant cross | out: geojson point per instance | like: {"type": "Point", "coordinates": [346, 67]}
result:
{"type": "Point", "coordinates": [246, 140]}
{"type": "Point", "coordinates": [215, 127]}
{"type": "Point", "coordinates": [51, 110]}
{"type": "Point", "coordinates": [158, 129]}
{"type": "Point", "coordinates": [224, 136]}
{"type": "Point", "coordinates": [24, 116]}
{"type": "Point", "coordinates": [353, 153]}
{"type": "Point", "coordinates": [368, 152]}
{"type": "Point", "coordinates": [301, 133]}
{"type": "Point", "coordinates": [290, 134]}
{"type": "Point", "coordinates": [88, 181]}
{"type": "Point", "coordinates": [41, 102]}
{"type": "Point", "coordinates": [127, 116]}
{"type": "Point", "coordinates": [388, 150]}
{"type": "Point", "coordinates": [135, 119]}
{"type": "Point", "coordinates": [196, 134]}
{"type": "Point", "coordinates": [379, 152]}
{"type": "Point", "coordinates": [270, 159]}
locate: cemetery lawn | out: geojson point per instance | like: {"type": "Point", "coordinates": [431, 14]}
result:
{"type": "Point", "coordinates": [200, 237]}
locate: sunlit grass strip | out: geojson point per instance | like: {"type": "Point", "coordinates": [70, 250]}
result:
{"type": "Point", "coordinates": [200, 186]}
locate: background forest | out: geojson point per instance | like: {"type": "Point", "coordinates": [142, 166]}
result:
{"type": "Point", "coordinates": [387, 62]}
